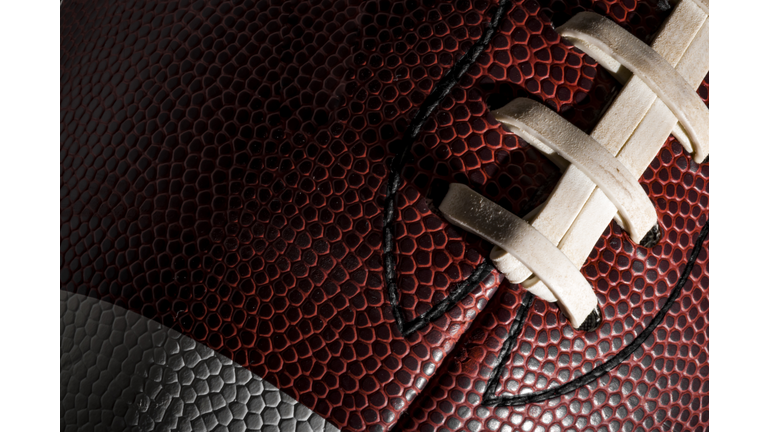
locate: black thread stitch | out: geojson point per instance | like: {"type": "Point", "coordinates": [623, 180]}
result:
{"type": "Point", "coordinates": [506, 350]}
{"type": "Point", "coordinates": [441, 90]}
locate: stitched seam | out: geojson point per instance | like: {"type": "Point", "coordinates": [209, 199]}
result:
{"type": "Point", "coordinates": [488, 396]}
{"type": "Point", "coordinates": [443, 87]}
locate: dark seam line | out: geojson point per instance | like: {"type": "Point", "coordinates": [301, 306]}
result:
{"type": "Point", "coordinates": [506, 349]}
{"type": "Point", "coordinates": [443, 87]}
{"type": "Point", "coordinates": [488, 396]}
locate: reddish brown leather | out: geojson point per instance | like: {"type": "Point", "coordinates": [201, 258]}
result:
{"type": "Point", "coordinates": [224, 166]}
{"type": "Point", "coordinates": [664, 384]}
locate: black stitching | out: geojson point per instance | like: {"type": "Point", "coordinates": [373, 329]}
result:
{"type": "Point", "coordinates": [483, 269]}
{"type": "Point", "coordinates": [395, 181]}
{"type": "Point", "coordinates": [488, 396]}
{"type": "Point", "coordinates": [506, 348]}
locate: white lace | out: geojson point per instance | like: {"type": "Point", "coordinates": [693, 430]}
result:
{"type": "Point", "coordinates": [600, 169]}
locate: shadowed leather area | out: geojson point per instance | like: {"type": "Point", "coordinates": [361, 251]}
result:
{"type": "Point", "coordinates": [123, 371]}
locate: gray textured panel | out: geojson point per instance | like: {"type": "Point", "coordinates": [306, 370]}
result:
{"type": "Point", "coordinates": [121, 371]}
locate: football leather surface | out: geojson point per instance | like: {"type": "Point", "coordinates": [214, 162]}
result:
{"type": "Point", "coordinates": [224, 169]}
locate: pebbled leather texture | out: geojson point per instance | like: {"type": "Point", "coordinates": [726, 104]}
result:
{"type": "Point", "coordinates": [224, 172]}
{"type": "Point", "coordinates": [122, 371]}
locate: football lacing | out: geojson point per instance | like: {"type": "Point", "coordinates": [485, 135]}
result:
{"type": "Point", "coordinates": [600, 170]}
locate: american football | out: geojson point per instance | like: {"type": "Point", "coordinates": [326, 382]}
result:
{"type": "Point", "coordinates": [438, 215]}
